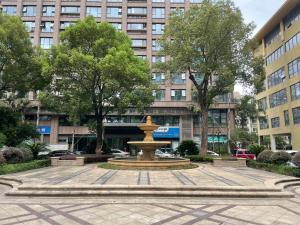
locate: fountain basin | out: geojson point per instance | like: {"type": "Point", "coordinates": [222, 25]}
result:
{"type": "Point", "coordinates": [160, 163]}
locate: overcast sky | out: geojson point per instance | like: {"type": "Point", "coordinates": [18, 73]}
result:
{"type": "Point", "coordinates": [259, 12]}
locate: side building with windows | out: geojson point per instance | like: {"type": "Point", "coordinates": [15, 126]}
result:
{"type": "Point", "coordinates": [279, 100]}
{"type": "Point", "coordinates": [144, 21]}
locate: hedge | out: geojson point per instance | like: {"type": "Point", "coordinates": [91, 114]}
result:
{"type": "Point", "coordinates": [197, 158]}
{"type": "Point", "coordinates": [275, 168]}
{"type": "Point", "coordinates": [19, 167]}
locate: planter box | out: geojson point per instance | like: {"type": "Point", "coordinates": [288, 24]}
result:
{"type": "Point", "coordinates": [55, 161]}
{"type": "Point", "coordinates": [240, 162]}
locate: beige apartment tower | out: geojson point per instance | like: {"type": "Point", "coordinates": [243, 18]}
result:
{"type": "Point", "coordinates": [279, 101]}
{"type": "Point", "coordinates": [144, 22]}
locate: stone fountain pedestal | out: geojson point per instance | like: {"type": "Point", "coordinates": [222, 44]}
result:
{"type": "Point", "coordinates": [148, 147]}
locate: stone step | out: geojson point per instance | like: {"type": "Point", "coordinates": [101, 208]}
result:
{"type": "Point", "coordinates": [148, 193]}
{"type": "Point", "coordinates": [289, 182]}
{"type": "Point", "coordinates": [146, 188]}
{"type": "Point", "coordinates": [11, 182]}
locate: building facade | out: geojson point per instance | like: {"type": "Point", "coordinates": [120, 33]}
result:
{"type": "Point", "coordinates": [279, 101]}
{"type": "Point", "coordinates": [144, 22]}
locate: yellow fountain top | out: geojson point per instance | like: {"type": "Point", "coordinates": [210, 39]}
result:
{"type": "Point", "coordinates": [149, 120]}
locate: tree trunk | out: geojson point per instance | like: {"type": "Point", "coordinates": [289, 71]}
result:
{"type": "Point", "coordinates": [204, 131]}
{"type": "Point", "coordinates": [99, 134]}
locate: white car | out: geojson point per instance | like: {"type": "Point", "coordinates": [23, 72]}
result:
{"type": "Point", "coordinates": [161, 154]}
{"type": "Point", "coordinates": [213, 154]}
{"type": "Point", "coordinates": [119, 153]}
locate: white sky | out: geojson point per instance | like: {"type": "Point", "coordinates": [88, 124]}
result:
{"type": "Point", "coordinates": [259, 12]}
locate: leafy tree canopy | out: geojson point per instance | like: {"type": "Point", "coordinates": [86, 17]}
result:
{"type": "Point", "coordinates": [246, 108]}
{"type": "Point", "coordinates": [20, 64]}
{"type": "Point", "coordinates": [97, 73]}
{"type": "Point", "coordinates": [213, 43]}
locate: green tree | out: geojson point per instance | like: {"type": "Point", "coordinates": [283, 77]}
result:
{"type": "Point", "coordinates": [98, 73]}
{"type": "Point", "coordinates": [246, 109]}
{"type": "Point", "coordinates": [20, 64]}
{"type": "Point", "coordinates": [214, 45]}
{"type": "Point", "coordinates": [244, 137]}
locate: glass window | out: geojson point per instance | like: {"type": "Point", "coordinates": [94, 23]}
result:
{"type": "Point", "coordinates": [286, 118]}
{"type": "Point", "coordinates": [114, 12]}
{"type": "Point", "coordinates": [10, 10]}
{"type": "Point", "coordinates": [117, 26]}
{"type": "Point", "coordinates": [178, 95]}
{"type": "Point", "coordinates": [65, 24]}
{"type": "Point", "coordinates": [272, 36]}
{"type": "Point", "coordinates": [294, 68]}
{"type": "Point", "coordinates": [155, 45]}
{"type": "Point", "coordinates": [263, 123]}
{"type": "Point", "coordinates": [196, 1]}
{"type": "Point", "coordinates": [158, 59]}
{"type": "Point", "coordinates": [29, 10]}
{"type": "Point", "coordinates": [46, 43]}
{"type": "Point", "coordinates": [262, 104]}
{"type": "Point", "coordinates": [179, 9]}
{"type": "Point", "coordinates": [158, 13]}
{"type": "Point", "coordinates": [278, 98]}
{"type": "Point", "coordinates": [295, 91]}
{"type": "Point", "coordinates": [296, 115]}
{"type": "Point", "coordinates": [217, 118]}
{"type": "Point", "coordinates": [159, 95]}
{"type": "Point", "coordinates": [177, 1]}
{"type": "Point", "coordinates": [93, 11]}
{"type": "Point", "coordinates": [47, 26]}
{"type": "Point", "coordinates": [158, 28]}
{"type": "Point", "coordinates": [138, 11]}
{"type": "Point", "coordinates": [294, 41]}
{"type": "Point", "coordinates": [158, 0]}
{"type": "Point", "coordinates": [158, 78]}
{"type": "Point", "coordinates": [30, 26]}
{"type": "Point", "coordinates": [139, 43]}
{"type": "Point", "coordinates": [292, 17]}
{"type": "Point", "coordinates": [136, 26]}
{"type": "Point", "coordinates": [178, 78]}
{"type": "Point", "coordinates": [276, 78]}
{"type": "Point", "coordinates": [49, 10]}
{"type": "Point", "coordinates": [70, 10]}
{"type": "Point", "coordinates": [275, 122]}
{"type": "Point", "coordinates": [275, 55]}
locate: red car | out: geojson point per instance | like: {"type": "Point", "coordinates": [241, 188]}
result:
{"type": "Point", "coordinates": [243, 153]}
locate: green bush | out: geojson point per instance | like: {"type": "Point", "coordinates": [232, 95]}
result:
{"type": "Point", "coordinates": [34, 147]}
{"type": "Point", "coordinates": [280, 157]}
{"type": "Point", "coordinates": [256, 149]}
{"type": "Point", "coordinates": [265, 156]}
{"type": "Point", "coordinates": [296, 159]}
{"type": "Point", "coordinates": [27, 154]}
{"type": "Point", "coordinates": [13, 155]}
{"type": "Point", "coordinates": [276, 168]}
{"type": "Point", "coordinates": [197, 158]}
{"type": "Point", "coordinates": [14, 168]}
{"type": "Point", "coordinates": [188, 147]}
{"type": "Point", "coordinates": [2, 140]}
{"type": "Point", "coordinates": [2, 159]}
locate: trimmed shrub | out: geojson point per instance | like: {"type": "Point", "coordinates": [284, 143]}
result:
{"type": "Point", "coordinates": [265, 156]}
{"type": "Point", "coordinates": [197, 158]}
{"type": "Point", "coordinates": [92, 158]}
{"type": "Point", "coordinates": [256, 149]}
{"type": "Point", "coordinates": [280, 157]}
{"type": "Point", "coordinates": [28, 156]}
{"type": "Point", "coordinates": [34, 147]}
{"type": "Point", "coordinates": [14, 168]}
{"type": "Point", "coordinates": [188, 147]}
{"type": "Point", "coordinates": [2, 159]}
{"type": "Point", "coordinates": [13, 155]}
{"type": "Point", "coordinates": [2, 139]}
{"type": "Point", "coordinates": [296, 159]}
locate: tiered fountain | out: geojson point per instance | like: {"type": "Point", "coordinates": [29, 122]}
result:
{"type": "Point", "coordinates": [148, 147]}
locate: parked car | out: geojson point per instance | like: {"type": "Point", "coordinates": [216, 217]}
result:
{"type": "Point", "coordinates": [57, 153]}
{"type": "Point", "coordinates": [162, 154]}
{"type": "Point", "coordinates": [243, 153]}
{"type": "Point", "coordinates": [119, 153]}
{"type": "Point", "coordinates": [167, 150]}
{"type": "Point", "coordinates": [213, 154]}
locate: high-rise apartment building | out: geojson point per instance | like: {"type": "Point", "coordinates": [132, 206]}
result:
{"type": "Point", "coordinates": [144, 21]}
{"type": "Point", "coordinates": [279, 101]}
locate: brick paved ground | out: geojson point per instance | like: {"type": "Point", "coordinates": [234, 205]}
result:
{"type": "Point", "coordinates": [131, 211]}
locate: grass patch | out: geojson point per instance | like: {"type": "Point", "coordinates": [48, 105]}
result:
{"type": "Point", "coordinates": [116, 167]}
{"type": "Point", "coordinates": [275, 168]}
{"type": "Point", "coordinates": [19, 167]}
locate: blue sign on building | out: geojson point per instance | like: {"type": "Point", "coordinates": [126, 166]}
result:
{"type": "Point", "coordinates": [43, 129]}
{"type": "Point", "coordinates": [167, 132]}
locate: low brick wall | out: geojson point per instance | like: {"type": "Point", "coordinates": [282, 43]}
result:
{"type": "Point", "coordinates": [230, 163]}
{"type": "Point", "coordinates": [55, 161]}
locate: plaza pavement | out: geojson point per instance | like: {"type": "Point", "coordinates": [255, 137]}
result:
{"type": "Point", "coordinates": [148, 210]}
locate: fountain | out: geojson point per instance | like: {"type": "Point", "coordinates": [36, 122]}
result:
{"type": "Point", "coordinates": [148, 147]}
